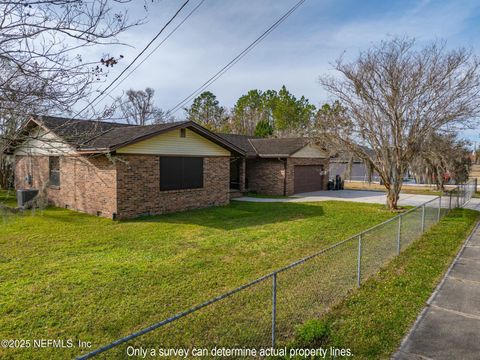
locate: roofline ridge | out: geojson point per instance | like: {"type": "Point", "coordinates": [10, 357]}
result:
{"type": "Point", "coordinates": [40, 117]}
{"type": "Point", "coordinates": [253, 146]}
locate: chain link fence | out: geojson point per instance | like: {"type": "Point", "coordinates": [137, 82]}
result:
{"type": "Point", "coordinates": [265, 312]}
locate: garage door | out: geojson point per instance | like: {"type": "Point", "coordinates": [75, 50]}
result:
{"type": "Point", "coordinates": [307, 178]}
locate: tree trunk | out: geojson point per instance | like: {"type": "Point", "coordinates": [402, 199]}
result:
{"type": "Point", "coordinates": [393, 195]}
{"type": "Point", "coordinates": [392, 199]}
{"type": "Point", "coordinates": [6, 173]}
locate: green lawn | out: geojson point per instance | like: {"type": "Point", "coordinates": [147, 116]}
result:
{"type": "Point", "coordinates": [7, 198]}
{"type": "Point", "coordinates": [69, 275]}
{"type": "Point", "coordinates": [373, 320]}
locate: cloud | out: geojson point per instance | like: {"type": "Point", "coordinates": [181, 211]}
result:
{"type": "Point", "coordinates": [295, 54]}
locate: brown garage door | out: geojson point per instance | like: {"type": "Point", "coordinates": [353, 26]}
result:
{"type": "Point", "coordinates": [307, 178]}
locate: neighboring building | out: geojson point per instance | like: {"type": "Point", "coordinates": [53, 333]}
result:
{"type": "Point", "coordinates": [124, 171]}
{"type": "Point", "coordinates": [356, 171]}
{"type": "Point", "coordinates": [351, 168]}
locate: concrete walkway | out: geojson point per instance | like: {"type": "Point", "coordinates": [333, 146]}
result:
{"type": "Point", "coordinates": [372, 197]}
{"type": "Point", "coordinates": [473, 204]}
{"type": "Point", "coordinates": [449, 327]}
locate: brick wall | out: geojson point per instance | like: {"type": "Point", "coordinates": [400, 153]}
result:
{"type": "Point", "coordinates": [86, 184]}
{"type": "Point", "coordinates": [291, 162]}
{"type": "Point", "coordinates": [36, 166]}
{"type": "Point", "coordinates": [131, 187]}
{"type": "Point", "coordinates": [138, 184]}
{"type": "Point", "coordinates": [266, 176]}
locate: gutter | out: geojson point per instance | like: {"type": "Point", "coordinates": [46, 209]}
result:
{"type": "Point", "coordinates": [94, 151]}
{"type": "Point", "coordinates": [274, 156]}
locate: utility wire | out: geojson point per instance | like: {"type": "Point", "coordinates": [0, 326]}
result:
{"type": "Point", "coordinates": [153, 50]}
{"type": "Point", "coordinates": [236, 59]}
{"type": "Point", "coordinates": [134, 60]}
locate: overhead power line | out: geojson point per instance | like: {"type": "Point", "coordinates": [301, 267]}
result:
{"type": "Point", "coordinates": [134, 60]}
{"type": "Point", "coordinates": [153, 50]}
{"type": "Point", "coordinates": [236, 59]}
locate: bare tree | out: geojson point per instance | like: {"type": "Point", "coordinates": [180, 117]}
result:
{"type": "Point", "coordinates": [137, 107]}
{"type": "Point", "coordinates": [442, 158]}
{"type": "Point", "coordinates": [41, 67]}
{"type": "Point", "coordinates": [40, 45]}
{"type": "Point", "coordinates": [394, 96]}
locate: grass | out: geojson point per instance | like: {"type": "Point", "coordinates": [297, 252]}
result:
{"type": "Point", "coordinates": [7, 198]}
{"type": "Point", "coordinates": [373, 320]}
{"type": "Point", "coordinates": [65, 274]}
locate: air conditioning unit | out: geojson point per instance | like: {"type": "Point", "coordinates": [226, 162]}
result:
{"type": "Point", "coordinates": [24, 196]}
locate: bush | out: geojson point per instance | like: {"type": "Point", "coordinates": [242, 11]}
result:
{"type": "Point", "coordinates": [312, 332]}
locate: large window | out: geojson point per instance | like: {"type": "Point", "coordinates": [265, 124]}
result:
{"type": "Point", "coordinates": [178, 173]}
{"type": "Point", "coordinates": [54, 170]}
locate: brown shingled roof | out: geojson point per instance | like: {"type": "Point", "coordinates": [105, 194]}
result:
{"type": "Point", "coordinates": [266, 147]}
{"type": "Point", "coordinates": [125, 135]}
{"type": "Point", "coordinates": [76, 132]}
{"type": "Point", "coordinates": [99, 136]}
{"type": "Point", "coordinates": [102, 136]}
{"type": "Point", "coordinates": [242, 141]}
{"type": "Point", "coordinates": [282, 147]}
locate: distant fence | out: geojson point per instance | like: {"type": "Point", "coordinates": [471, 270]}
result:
{"type": "Point", "coordinates": [266, 311]}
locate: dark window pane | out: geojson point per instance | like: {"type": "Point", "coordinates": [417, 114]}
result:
{"type": "Point", "coordinates": [170, 173]}
{"type": "Point", "coordinates": [181, 173]}
{"type": "Point", "coordinates": [55, 178]}
{"type": "Point", "coordinates": [54, 162]}
{"type": "Point", "coordinates": [192, 173]}
{"type": "Point", "coordinates": [54, 170]}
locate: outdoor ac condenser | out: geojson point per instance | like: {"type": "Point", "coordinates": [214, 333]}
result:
{"type": "Point", "coordinates": [24, 196]}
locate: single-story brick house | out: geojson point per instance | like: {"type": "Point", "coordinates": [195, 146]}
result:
{"type": "Point", "coordinates": [124, 171]}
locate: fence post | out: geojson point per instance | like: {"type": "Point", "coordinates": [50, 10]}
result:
{"type": "Point", "coordinates": [359, 264]}
{"type": "Point", "coordinates": [423, 218]}
{"type": "Point", "coordinates": [274, 307]}
{"type": "Point", "coordinates": [458, 197]}
{"type": "Point", "coordinates": [399, 234]}
{"type": "Point", "coordinates": [450, 201]}
{"type": "Point", "coordinates": [439, 208]}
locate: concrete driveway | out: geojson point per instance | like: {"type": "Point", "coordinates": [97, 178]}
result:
{"type": "Point", "coordinates": [372, 197]}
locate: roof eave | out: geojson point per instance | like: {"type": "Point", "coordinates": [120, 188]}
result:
{"type": "Point", "coordinates": [216, 138]}
{"type": "Point", "coordinates": [274, 155]}
{"type": "Point", "coordinates": [187, 124]}
{"type": "Point", "coordinates": [146, 136]}
{"type": "Point", "coordinates": [40, 124]}
{"type": "Point", "coordinates": [93, 151]}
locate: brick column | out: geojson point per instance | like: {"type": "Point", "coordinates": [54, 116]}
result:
{"type": "Point", "coordinates": [242, 174]}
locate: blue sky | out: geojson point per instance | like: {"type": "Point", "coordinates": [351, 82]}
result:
{"type": "Point", "coordinates": [295, 54]}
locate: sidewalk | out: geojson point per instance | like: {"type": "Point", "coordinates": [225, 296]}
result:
{"type": "Point", "coordinates": [473, 204]}
{"type": "Point", "coordinates": [449, 327]}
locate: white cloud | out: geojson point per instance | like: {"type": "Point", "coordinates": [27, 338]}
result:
{"type": "Point", "coordinates": [295, 54]}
